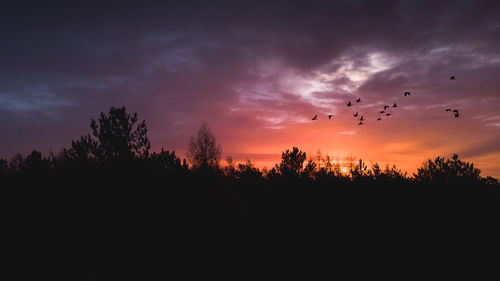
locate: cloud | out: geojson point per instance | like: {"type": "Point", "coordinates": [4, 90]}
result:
{"type": "Point", "coordinates": [483, 148]}
{"type": "Point", "coordinates": [347, 133]}
{"type": "Point", "coordinates": [253, 70]}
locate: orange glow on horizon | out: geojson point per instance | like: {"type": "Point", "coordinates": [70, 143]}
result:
{"type": "Point", "coordinates": [392, 143]}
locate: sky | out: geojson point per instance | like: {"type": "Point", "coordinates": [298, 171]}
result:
{"type": "Point", "coordinates": [257, 72]}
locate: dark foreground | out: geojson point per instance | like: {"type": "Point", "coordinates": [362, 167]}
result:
{"type": "Point", "coordinates": [128, 226]}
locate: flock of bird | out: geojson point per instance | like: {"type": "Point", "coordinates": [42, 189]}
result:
{"type": "Point", "coordinates": [386, 107]}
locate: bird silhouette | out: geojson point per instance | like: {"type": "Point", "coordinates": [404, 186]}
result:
{"type": "Point", "coordinates": [407, 94]}
{"type": "Point", "coordinates": [315, 117]}
{"type": "Point", "coordinates": [330, 116]}
{"type": "Point", "coordinates": [358, 100]}
{"type": "Point", "coordinates": [395, 105]}
{"type": "Point", "coordinates": [382, 112]}
{"type": "Point", "coordinates": [362, 118]}
{"type": "Point", "coordinates": [360, 123]}
{"type": "Point", "coordinates": [457, 114]}
{"type": "Point", "coordinates": [455, 110]}
{"type": "Point", "coordinates": [452, 77]}
{"type": "Point", "coordinates": [448, 109]}
{"type": "Point", "coordinates": [388, 114]}
{"type": "Point", "coordinates": [386, 107]}
{"type": "Point", "coordinates": [356, 114]}
{"type": "Point", "coordinates": [379, 119]}
{"type": "Point", "coordinates": [349, 103]}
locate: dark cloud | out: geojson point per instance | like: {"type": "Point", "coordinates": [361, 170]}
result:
{"type": "Point", "coordinates": [487, 147]}
{"type": "Point", "coordinates": [239, 65]}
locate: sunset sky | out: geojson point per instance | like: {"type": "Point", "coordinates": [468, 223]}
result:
{"type": "Point", "coordinates": [257, 72]}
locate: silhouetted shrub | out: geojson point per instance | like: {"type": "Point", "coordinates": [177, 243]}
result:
{"type": "Point", "coordinates": [391, 175]}
{"type": "Point", "coordinates": [490, 181]}
{"type": "Point", "coordinates": [166, 161]}
{"type": "Point", "coordinates": [361, 172]}
{"type": "Point", "coordinates": [309, 170]}
{"type": "Point", "coordinates": [82, 151]}
{"type": "Point", "coordinates": [443, 171]}
{"type": "Point", "coordinates": [16, 164]}
{"type": "Point", "coordinates": [35, 163]}
{"type": "Point", "coordinates": [247, 171]}
{"type": "Point", "coordinates": [230, 168]}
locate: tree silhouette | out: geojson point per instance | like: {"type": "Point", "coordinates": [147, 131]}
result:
{"type": "Point", "coordinates": [361, 170]}
{"type": "Point", "coordinates": [230, 168]}
{"type": "Point", "coordinates": [389, 175]}
{"type": "Point", "coordinates": [35, 163]}
{"type": "Point", "coordinates": [166, 161]}
{"type": "Point", "coordinates": [395, 174]}
{"type": "Point", "coordinates": [376, 170]}
{"type": "Point", "coordinates": [292, 162]}
{"type": "Point", "coordinates": [490, 181]}
{"type": "Point", "coordinates": [82, 151]}
{"type": "Point", "coordinates": [247, 170]}
{"type": "Point", "coordinates": [204, 151]}
{"type": "Point", "coordinates": [118, 136]}
{"type": "Point", "coordinates": [3, 167]}
{"type": "Point", "coordinates": [447, 171]}
{"type": "Point", "coordinates": [16, 163]}
{"type": "Point", "coordinates": [311, 168]}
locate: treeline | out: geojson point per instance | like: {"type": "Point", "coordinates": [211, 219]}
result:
{"type": "Point", "coordinates": [108, 204]}
{"type": "Point", "coordinates": [293, 166]}
{"type": "Point", "coordinates": [115, 161]}
{"type": "Point", "coordinates": [119, 144]}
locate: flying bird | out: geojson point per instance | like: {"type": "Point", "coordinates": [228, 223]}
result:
{"type": "Point", "coordinates": [360, 123]}
{"type": "Point", "coordinates": [448, 109]}
{"type": "Point", "coordinates": [395, 105]}
{"type": "Point", "coordinates": [361, 119]}
{"type": "Point", "coordinates": [330, 116]}
{"type": "Point", "coordinates": [356, 114]}
{"type": "Point", "coordinates": [457, 115]}
{"type": "Point", "coordinates": [407, 94]}
{"type": "Point", "coordinates": [382, 112]}
{"type": "Point", "coordinates": [358, 100]}
{"type": "Point", "coordinates": [388, 114]}
{"type": "Point", "coordinates": [452, 77]}
{"type": "Point", "coordinates": [386, 107]}
{"type": "Point", "coordinates": [315, 117]}
{"type": "Point", "coordinates": [379, 119]}
{"type": "Point", "coordinates": [349, 103]}
{"type": "Point", "coordinates": [455, 110]}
